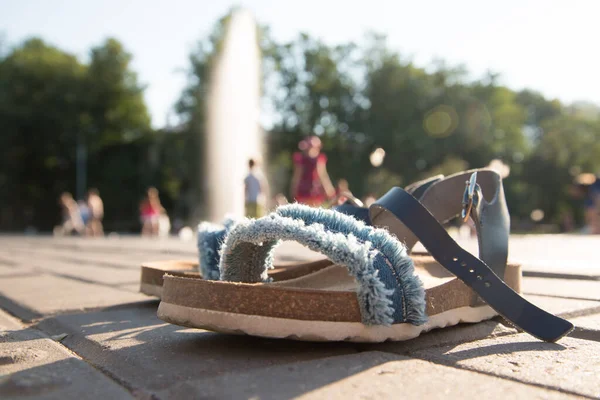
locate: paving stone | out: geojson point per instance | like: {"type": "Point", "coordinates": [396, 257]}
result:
{"type": "Point", "coordinates": [585, 315]}
{"type": "Point", "coordinates": [571, 365]}
{"type": "Point", "coordinates": [585, 334]}
{"type": "Point", "coordinates": [14, 271]}
{"type": "Point", "coordinates": [29, 297]}
{"type": "Point", "coordinates": [8, 322]}
{"type": "Point", "coordinates": [569, 288]}
{"type": "Point", "coordinates": [150, 355]}
{"type": "Point", "coordinates": [588, 322]}
{"type": "Point", "coordinates": [34, 366]}
{"type": "Point", "coordinates": [370, 375]}
{"type": "Point", "coordinates": [89, 273]}
{"type": "Point", "coordinates": [556, 255]}
{"type": "Point", "coordinates": [123, 245]}
{"type": "Point", "coordinates": [143, 249]}
{"type": "Point", "coordinates": [42, 256]}
{"type": "Point", "coordinates": [567, 308]}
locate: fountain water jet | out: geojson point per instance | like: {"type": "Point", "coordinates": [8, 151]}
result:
{"type": "Point", "coordinates": [233, 131]}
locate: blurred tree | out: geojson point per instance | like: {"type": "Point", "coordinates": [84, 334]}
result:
{"type": "Point", "coordinates": [538, 108]}
{"type": "Point", "coordinates": [41, 93]}
{"type": "Point", "coordinates": [115, 108]}
{"type": "Point", "coordinates": [48, 102]}
{"type": "Point", "coordinates": [317, 95]}
{"type": "Point", "coordinates": [569, 145]}
{"type": "Point", "coordinates": [115, 127]}
{"type": "Point", "coordinates": [414, 115]}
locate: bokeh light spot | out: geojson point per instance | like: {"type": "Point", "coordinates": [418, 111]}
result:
{"type": "Point", "coordinates": [441, 121]}
{"type": "Point", "coordinates": [537, 215]}
{"type": "Point", "coordinates": [377, 157]}
{"type": "Point", "coordinates": [500, 167]}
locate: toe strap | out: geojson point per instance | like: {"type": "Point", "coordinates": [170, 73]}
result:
{"type": "Point", "coordinates": [388, 290]}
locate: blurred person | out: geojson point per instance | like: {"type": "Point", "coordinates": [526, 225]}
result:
{"type": "Point", "coordinates": [84, 212]}
{"type": "Point", "coordinates": [591, 204]}
{"type": "Point", "coordinates": [96, 207]}
{"type": "Point", "coordinates": [150, 212]}
{"type": "Point", "coordinates": [587, 187]}
{"type": "Point", "coordinates": [310, 182]}
{"type": "Point", "coordinates": [342, 192]}
{"type": "Point", "coordinates": [164, 224]}
{"type": "Point", "coordinates": [256, 189]}
{"type": "Point", "coordinates": [72, 220]}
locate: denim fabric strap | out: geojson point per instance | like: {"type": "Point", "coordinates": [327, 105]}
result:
{"type": "Point", "coordinates": [388, 290]}
{"type": "Point", "coordinates": [210, 238]}
{"type": "Point", "coordinates": [399, 204]}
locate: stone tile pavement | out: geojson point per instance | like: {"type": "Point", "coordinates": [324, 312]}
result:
{"type": "Point", "coordinates": [72, 325]}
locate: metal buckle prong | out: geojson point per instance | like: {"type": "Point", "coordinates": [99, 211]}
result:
{"type": "Point", "coordinates": [469, 196]}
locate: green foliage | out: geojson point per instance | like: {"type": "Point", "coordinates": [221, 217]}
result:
{"type": "Point", "coordinates": [115, 106]}
{"type": "Point", "coordinates": [568, 145]}
{"type": "Point", "coordinates": [49, 101]}
{"type": "Point", "coordinates": [428, 122]}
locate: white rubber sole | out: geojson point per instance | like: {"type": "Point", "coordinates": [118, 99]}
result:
{"type": "Point", "coordinates": [283, 328]}
{"type": "Point", "coordinates": [151, 290]}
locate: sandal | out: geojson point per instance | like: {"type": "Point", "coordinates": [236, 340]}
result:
{"type": "Point", "coordinates": [373, 291]}
{"type": "Point", "coordinates": [210, 237]}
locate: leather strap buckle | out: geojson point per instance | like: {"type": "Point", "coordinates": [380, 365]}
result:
{"type": "Point", "coordinates": [470, 196]}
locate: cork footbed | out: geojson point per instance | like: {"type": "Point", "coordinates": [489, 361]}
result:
{"type": "Point", "coordinates": [152, 273]}
{"type": "Point", "coordinates": [321, 305]}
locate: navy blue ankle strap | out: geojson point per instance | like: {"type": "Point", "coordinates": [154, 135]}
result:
{"type": "Point", "coordinates": [397, 204]}
{"type": "Point", "coordinates": [359, 213]}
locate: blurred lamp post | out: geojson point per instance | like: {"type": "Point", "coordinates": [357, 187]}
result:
{"type": "Point", "coordinates": [80, 166]}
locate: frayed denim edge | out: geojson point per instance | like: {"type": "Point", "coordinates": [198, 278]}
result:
{"type": "Point", "coordinates": [373, 296]}
{"type": "Point", "coordinates": [210, 237]}
{"type": "Point", "coordinates": [251, 243]}
{"type": "Point", "coordinates": [413, 292]}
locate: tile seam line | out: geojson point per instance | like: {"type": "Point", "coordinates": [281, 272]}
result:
{"type": "Point", "coordinates": [537, 385]}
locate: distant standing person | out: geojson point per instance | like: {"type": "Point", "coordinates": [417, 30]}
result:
{"type": "Point", "coordinates": [256, 190]}
{"type": "Point", "coordinates": [96, 206]}
{"type": "Point", "coordinates": [150, 211]}
{"type": "Point", "coordinates": [85, 213]}
{"type": "Point", "coordinates": [310, 183]}
{"type": "Point", "coordinates": [592, 207]}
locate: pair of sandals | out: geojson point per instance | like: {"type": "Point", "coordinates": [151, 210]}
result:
{"type": "Point", "coordinates": [368, 289]}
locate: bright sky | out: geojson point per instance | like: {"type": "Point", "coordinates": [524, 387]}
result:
{"type": "Point", "coordinates": [547, 45]}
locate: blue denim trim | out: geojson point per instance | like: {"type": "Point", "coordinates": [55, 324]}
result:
{"type": "Point", "coordinates": [210, 238]}
{"type": "Point", "coordinates": [387, 276]}
{"type": "Point", "coordinates": [385, 294]}
{"type": "Point", "coordinates": [399, 265]}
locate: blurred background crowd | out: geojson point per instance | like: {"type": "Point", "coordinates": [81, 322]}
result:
{"type": "Point", "coordinates": [358, 118]}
